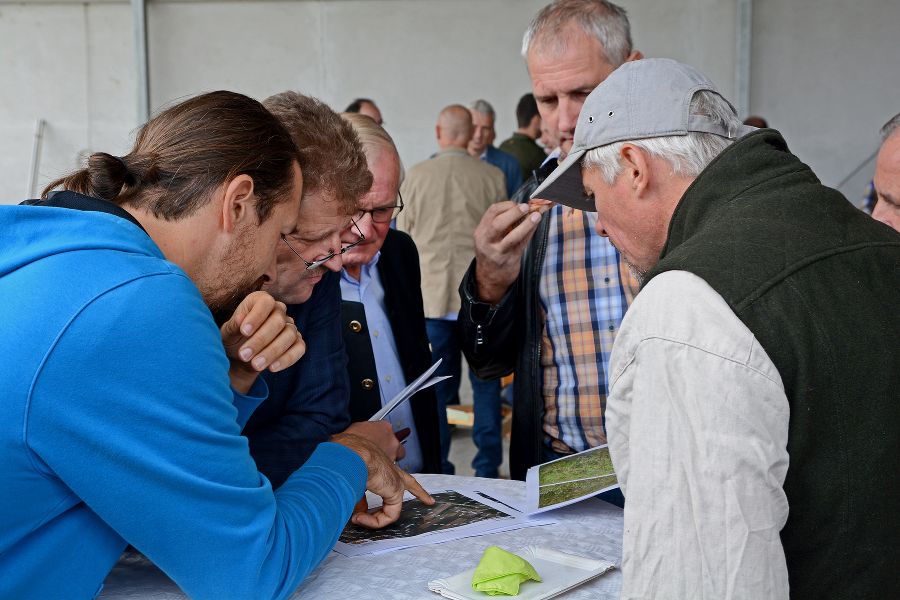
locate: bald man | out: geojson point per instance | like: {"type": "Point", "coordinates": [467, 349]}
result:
{"type": "Point", "coordinates": [445, 198]}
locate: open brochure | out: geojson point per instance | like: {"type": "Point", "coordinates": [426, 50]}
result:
{"type": "Point", "coordinates": [423, 381]}
{"type": "Point", "coordinates": [568, 480]}
{"type": "Point", "coordinates": [456, 514]}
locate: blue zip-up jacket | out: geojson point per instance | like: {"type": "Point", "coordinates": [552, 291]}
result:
{"type": "Point", "coordinates": [118, 425]}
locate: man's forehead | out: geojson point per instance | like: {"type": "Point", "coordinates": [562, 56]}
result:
{"type": "Point", "coordinates": [564, 67]}
{"type": "Point", "coordinates": [480, 118]}
{"type": "Point", "coordinates": [889, 154]}
{"type": "Point", "coordinates": [321, 213]}
{"type": "Point", "coordinates": [887, 167]}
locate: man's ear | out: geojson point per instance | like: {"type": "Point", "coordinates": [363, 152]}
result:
{"type": "Point", "coordinates": [635, 55]}
{"type": "Point", "coordinates": [636, 168]}
{"type": "Point", "coordinates": [238, 203]}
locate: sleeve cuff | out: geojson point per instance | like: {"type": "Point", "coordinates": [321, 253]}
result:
{"type": "Point", "coordinates": [475, 310]}
{"type": "Point", "coordinates": [345, 463]}
{"type": "Point", "coordinates": [249, 402]}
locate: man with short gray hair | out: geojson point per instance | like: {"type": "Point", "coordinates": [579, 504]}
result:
{"type": "Point", "coordinates": [482, 145]}
{"type": "Point", "coordinates": [887, 176]}
{"type": "Point", "coordinates": [742, 382]}
{"type": "Point", "coordinates": [544, 296]}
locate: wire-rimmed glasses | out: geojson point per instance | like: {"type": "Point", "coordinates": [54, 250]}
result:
{"type": "Point", "coordinates": [331, 253]}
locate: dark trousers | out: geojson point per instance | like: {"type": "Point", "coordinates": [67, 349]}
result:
{"type": "Point", "coordinates": [486, 432]}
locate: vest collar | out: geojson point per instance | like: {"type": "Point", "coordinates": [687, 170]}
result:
{"type": "Point", "coordinates": [756, 159]}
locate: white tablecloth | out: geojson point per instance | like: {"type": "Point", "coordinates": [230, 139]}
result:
{"type": "Point", "coordinates": [591, 528]}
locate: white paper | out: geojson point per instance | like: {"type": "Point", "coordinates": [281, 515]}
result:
{"type": "Point", "coordinates": [559, 572]}
{"type": "Point", "coordinates": [459, 513]}
{"type": "Point", "coordinates": [568, 480]}
{"type": "Point", "coordinates": [422, 382]}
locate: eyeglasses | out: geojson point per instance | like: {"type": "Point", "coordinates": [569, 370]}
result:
{"type": "Point", "coordinates": [331, 253]}
{"type": "Point", "coordinates": [383, 214]}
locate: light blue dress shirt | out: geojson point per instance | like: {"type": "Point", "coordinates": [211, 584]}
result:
{"type": "Point", "coordinates": [391, 381]}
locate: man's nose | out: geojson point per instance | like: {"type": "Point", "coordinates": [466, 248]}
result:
{"type": "Point", "coordinates": [335, 263]}
{"type": "Point", "coordinates": [364, 223]}
{"type": "Point", "coordinates": [568, 115]}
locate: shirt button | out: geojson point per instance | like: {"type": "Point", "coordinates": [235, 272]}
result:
{"type": "Point", "coordinates": [606, 279]}
{"type": "Point", "coordinates": [612, 328]}
{"type": "Point", "coordinates": [355, 326]}
{"type": "Point", "coordinates": [388, 378]}
{"type": "Point", "coordinates": [367, 384]}
{"type": "Point", "coordinates": [375, 332]}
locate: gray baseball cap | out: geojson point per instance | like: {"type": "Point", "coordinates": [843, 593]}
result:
{"type": "Point", "coordinates": [641, 99]}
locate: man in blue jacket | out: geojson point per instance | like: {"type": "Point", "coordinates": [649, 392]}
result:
{"type": "Point", "coordinates": [482, 145]}
{"type": "Point", "coordinates": [118, 425]}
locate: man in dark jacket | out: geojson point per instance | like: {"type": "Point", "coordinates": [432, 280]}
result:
{"type": "Point", "coordinates": [756, 374]}
{"type": "Point", "coordinates": [382, 317]}
{"type": "Point", "coordinates": [522, 144]}
{"type": "Point", "coordinates": [544, 296]}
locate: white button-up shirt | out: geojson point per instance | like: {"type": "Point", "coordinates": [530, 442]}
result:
{"type": "Point", "coordinates": [697, 420]}
{"type": "Point", "coordinates": [391, 381]}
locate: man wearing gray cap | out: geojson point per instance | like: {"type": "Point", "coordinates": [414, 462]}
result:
{"type": "Point", "coordinates": [753, 384]}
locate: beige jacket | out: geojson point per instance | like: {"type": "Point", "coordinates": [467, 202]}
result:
{"type": "Point", "coordinates": [444, 198]}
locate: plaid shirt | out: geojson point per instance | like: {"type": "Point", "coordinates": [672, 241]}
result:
{"type": "Point", "coordinates": [585, 290]}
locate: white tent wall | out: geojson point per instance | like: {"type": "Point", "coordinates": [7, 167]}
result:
{"type": "Point", "coordinates": [822, 71]}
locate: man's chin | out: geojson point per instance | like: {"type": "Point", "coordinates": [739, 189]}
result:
{"type": "Point", "coordinates": [637, 272]}
{"type": "Point", "coordinates": [222, 306]}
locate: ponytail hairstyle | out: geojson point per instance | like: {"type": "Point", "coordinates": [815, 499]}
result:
{"type": "Point", "coordinates": [183, 154]}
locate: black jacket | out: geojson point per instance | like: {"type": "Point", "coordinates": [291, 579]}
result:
{"type": "Point", "coordinates": [498, 340]}
{"type": "Point", "coordinates": [818, 283]}
{"type": "Point", "coordinates": [398, 267]}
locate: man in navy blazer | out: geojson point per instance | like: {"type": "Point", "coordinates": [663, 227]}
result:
{"type": "Point", "coordinates": [309, 402]}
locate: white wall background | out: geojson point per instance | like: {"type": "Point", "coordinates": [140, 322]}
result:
{"type": "Point", "coordinates": [825, 72]}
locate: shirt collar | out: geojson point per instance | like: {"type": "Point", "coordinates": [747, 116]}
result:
{"type": "Point", "coordinates": [364, 272]}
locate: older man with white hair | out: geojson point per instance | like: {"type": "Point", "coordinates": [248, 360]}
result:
{"type": "Point", "coordinates": [757, 370]}
{"type": "Point", "coordinates": [382, 313]}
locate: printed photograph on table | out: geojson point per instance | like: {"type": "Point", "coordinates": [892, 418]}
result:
{"type": "Point", "coordinates": [570, 479]}
{"type": "Point", "coordinates": [451, 509]}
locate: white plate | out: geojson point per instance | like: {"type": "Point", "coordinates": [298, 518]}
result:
{"type": "Point", "coordinates": [559, 571]}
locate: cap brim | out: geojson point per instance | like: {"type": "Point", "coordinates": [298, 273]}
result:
{"type": "Point", "coordinates": [564, 184]}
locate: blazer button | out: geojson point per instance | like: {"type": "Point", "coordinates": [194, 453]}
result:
{"type": "Point", "coordinates": [356, 327]}
{"type": "Point", "coordinates": [367, 384]}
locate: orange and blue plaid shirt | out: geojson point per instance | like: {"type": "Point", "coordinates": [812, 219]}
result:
{"type": "Point", "coordinates": [584, 291]}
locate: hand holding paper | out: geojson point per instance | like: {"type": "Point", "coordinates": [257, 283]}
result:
{"type": "Point", "coordinates": [422, 382]}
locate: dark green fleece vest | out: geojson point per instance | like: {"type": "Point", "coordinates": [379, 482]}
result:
{"type": "Point", "coordinates": [818, 283]}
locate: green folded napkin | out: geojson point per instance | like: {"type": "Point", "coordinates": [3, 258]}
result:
{"type": "Point", "coordinates": [501, 573]}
